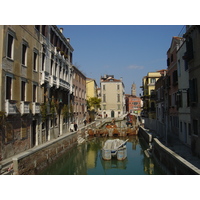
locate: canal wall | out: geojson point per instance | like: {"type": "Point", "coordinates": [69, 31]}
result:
{"type": "Point", "coordinates": [147, 137]}
{"type": "Point", "coordinates": [171, 162]}
{"type": "Point", "coordinates": [36, 159]}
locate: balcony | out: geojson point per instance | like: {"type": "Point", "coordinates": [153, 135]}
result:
{"type": "Point", "coordinates": [53, 80]}
{"type": "Point", "coordinates": [10, 107]}
{"type": "Point", "coordinates": [24, 107]}
{"type": "Point", "coordinates": [44, 77]}
{"type": "Point", "coordinates": [62, 84]}
{"type": "Point", "coordinates": [35, 108]}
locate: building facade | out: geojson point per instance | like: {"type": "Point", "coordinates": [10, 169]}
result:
{"type": "Point", "coordinates": [183, 96]}
{"type": "Point", "coordinates": [36, 84]}
{"type": "Point", "coordinates": [91, 88]}
{"type": "Point", "coordinates": [172, 75]}
{"type": "Point", "coordinates": [148, 87]}
{"type": "Point", "coordinates": [92, 93]}
{"type": "Point", "coordinates": [160, 106]}
{"type": "Point", "coordinates": [79, 96]}
{"type": "Point", "coordinates": [112, 96]}
{"type": "Point", "coordinates": [133, 104]}
{"type": "Point", "coordinates": [192, 37]}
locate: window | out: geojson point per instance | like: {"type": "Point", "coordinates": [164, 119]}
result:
{"type": "Point", "coordinates": [180, 99]}
{"type": "Point", "coordinates": [168, 62]}
{"type": "Point", "coordinates": [153, 108]}
{"type": "Point", "coordinates": [34, 93]}
{"type": "Point", "coordinates": [152, 80]}
{"type": "Point", "coordinates": [118, 98]}
{"type": "Point", "coordinates": [44, 30]}
{"type": "Point", "coordinates": [104, 107]}
{"type": "Point", "coordinates": [35, 58]}
{"type": "Point", "coordinates": [181, 127]}
{"type": "Point", "coordinates": [186, 65]}
{"type": "Point", "coordinates": [37, 27]}
{"type": "Point", "coordinates": [118, 106]}
{"type": "Point", "coordinates": [104, 87]}
{"type": "Point", "coordinates": [23, 90]}
{"type": "Point", "coordinates": [173, 100]}
{"type": "Point", "coordinates": [172, 58]}
{"type": "Point", "coordinates": [195, 127]}
{"type": "Point", "coordinates": [104, 98]}
{"type": "Point", "coordinates": [24, 54]}
{"type": "Point", "coordinates": [43, 61]}
{"type": "Point", "coordinates": [193, 90]}
{"type": "Point", "coordinates": [56, 69]}
{"type": "Point", "coordinates": [70, 57]}
{"type": "Point", "coordinates": [189, 129]}
{"type": "Point", "coordinates": [188, 98]}
{"type": "Point", "coordinates": [179, 68]}
{"type": "Point", "coordinates": [175, 77]}
{"type": "Point", "coordinates": [189, 47]}
{"type": "Point", "coordinates": [10, 46]}
{"type": "Point", "coordinates": [118, 87]}
{"type": "Point", "coordinates": [8, 87]}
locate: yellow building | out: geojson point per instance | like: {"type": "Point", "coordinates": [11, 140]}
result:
{"type": "Point", "coordinates": [91, 89]}
{"type": "Point", "coordinates": [149, 95]}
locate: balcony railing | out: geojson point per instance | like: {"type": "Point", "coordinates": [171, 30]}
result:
{"type": "Point", "coordinates": [24, 107]}
{"type": "Point", "coordinates": [53, 80]}
{"type": "Point", "coordinates": [62, 84]}
{"type": "Point", "coordinates": [10, 107]}
{"type": "Point", "coordinates": [45, 77]}
{"type": "Point", "coordinates": [35, 108]}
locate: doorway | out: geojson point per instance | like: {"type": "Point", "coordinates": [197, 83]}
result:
{"type": "Point", "coordinates": [112, 113]}
{"type": "Point", "coordinates": [34, 124]}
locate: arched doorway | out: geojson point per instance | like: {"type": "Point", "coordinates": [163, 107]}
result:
{"type": "Point", "coordinates": [112, 113]}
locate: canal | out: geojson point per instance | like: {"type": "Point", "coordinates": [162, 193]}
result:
{"type": "Point", "coordinates": [85, 159]}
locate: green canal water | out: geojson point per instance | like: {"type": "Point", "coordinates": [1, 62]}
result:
{"type": "Point", "coordinates": [85, 159]}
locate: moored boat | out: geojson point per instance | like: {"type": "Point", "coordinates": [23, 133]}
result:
{"type": "Point", "coordinates": [114, 148]}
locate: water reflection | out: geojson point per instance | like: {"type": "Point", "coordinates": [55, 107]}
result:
{"type": "Point", "coordinates": [86, 159]}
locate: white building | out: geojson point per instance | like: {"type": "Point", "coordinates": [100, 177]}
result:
{"type": "Point", "coordinates": [112, 96]}
{"type": "Point", "coordinates": [183, 97]}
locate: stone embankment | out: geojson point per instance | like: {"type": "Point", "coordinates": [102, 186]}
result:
{"type": "Point", "coordinates": [37, 158]}
{"type": "Point", "coordinates": [170, 161]}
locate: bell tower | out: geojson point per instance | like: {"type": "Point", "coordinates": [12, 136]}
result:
{"type": "Point", "coordinates": [133, 89]}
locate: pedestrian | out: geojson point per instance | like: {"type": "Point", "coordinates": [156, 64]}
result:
{"type": "Point", "coordinates": [85, 122]}
{"type": "Point", "coordinates": [71, 128]}
{"type": "Point", "coordinates": [75, 126]}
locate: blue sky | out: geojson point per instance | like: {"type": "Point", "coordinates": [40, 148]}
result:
{"type": "Point", "coordinates": [127, 51]}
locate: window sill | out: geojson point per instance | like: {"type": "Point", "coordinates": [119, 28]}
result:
{"type": "Point", "coordinates": [10, 59]}
{"type": "Point", "coordinates": [24, 66]}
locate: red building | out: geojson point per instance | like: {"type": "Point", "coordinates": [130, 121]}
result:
{"type": "Point", "coordinates": [133, 104]}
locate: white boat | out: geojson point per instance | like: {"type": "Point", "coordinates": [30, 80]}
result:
{"type": "Point", "coordinates": [114, 148]}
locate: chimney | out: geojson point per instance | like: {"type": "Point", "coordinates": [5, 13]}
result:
{"type": "Point", "coordinates": [61, 30]}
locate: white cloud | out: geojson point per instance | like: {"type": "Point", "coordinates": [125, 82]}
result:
{"type": "Point", "coordinates": [135, 67]}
